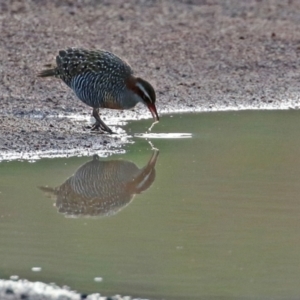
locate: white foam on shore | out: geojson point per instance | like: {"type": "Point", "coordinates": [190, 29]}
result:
{"type": "Point", "coordinates": [33, 156]}
{"type": "Point", "coordinates": [122, 119]}
{"type": "Point", "coordinates": [164, 135]}
{"type": "Point", "coordinates": [24, 289]}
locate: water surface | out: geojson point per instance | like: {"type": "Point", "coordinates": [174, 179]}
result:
{"type": "Point", "coordinates": [212, 216]}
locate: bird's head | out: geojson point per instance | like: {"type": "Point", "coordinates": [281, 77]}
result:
{"type": "Point", "coordinates": [147, 95]}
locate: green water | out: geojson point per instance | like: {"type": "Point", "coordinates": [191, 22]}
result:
{"type": "Point", "coordinates": [219, 220]}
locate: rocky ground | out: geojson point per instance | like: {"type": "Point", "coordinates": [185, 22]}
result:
{"type": "Point", "coordinates": [199, 54]}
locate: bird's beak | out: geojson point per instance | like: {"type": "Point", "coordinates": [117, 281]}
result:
{"type": "Point", "coordinates": [153, 111]}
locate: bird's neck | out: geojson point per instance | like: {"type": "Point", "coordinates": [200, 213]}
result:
{"type": "Point", "coordinates": [130, 99]}
{"type": "Point", "coordinates": [131, 96]}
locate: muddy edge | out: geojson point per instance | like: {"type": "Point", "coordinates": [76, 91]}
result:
{"type": "Point", "coordinates": [199, 55]}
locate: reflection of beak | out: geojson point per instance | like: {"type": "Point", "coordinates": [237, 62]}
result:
{"type": "Point", "coordinates": [153, 111]}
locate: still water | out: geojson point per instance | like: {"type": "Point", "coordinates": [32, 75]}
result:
{"type": "Point", "coordinates": [213, 216]}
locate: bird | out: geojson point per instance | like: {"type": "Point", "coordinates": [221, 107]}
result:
{"type": "Point", "coordinates": [102, 187]}
{"type": "Point", "coordinates": [101, 79]}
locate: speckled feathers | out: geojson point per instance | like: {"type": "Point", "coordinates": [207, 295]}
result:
{"type": "Point", "coordinates": [76, 61]}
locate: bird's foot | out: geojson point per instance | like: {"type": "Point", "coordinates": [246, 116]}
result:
{"type": "Point", "coordinates": [97, 127]}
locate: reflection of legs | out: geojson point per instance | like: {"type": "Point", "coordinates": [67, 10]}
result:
{"type": "Point", "coordinates": [99, 123]}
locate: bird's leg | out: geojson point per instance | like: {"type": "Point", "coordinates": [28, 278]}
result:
{"type": "Point", "coordinates": [99, 123]}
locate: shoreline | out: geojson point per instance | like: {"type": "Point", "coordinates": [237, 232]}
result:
{"type": "Point", "coordinates": [113, 143]}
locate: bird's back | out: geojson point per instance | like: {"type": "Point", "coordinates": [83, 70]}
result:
{"type": "Point", "coordinates": [75, 61]}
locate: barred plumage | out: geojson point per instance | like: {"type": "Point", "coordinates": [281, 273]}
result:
{"type": "Point", "coordinates": [102, 80]}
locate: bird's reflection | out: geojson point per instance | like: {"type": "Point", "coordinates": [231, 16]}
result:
{"type": "Point", "coordinates": [102, 188]}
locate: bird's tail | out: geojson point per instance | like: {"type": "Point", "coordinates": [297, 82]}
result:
{"type": "Point", "coordinates": [48, 72]}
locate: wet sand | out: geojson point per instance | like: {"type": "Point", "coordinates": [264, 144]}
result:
{"type": "Point", "coordinates": [199, 55]}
